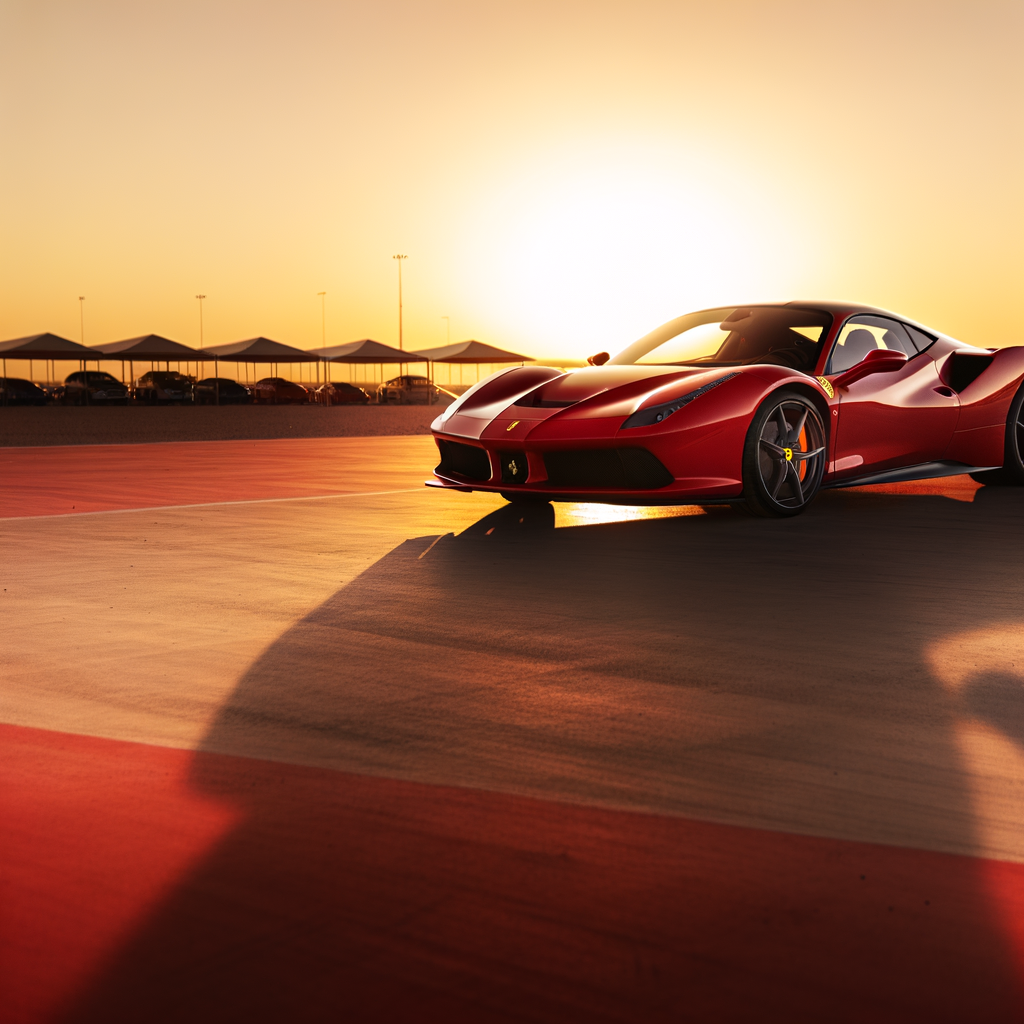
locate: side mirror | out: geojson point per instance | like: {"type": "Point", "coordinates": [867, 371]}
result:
{"type": "Point", "coordinates": [882, 360]}
{"type": "Point", "coordinates": [600, 359]}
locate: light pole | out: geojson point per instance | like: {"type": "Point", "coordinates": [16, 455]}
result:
{"type": "Point", "coordinates": [216, 368]}
{"type": "Point", "coordinates": [85, 365]}
{"type": "Point", "coordinates": [200, 298]}
{"type": "Point", "coordinates": [323, 330]}
{"type": "Point", "coordinates": [400, 258]}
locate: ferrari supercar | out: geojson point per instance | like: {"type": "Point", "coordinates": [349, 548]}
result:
{"type": "Point", "coordinates": [761, 405]}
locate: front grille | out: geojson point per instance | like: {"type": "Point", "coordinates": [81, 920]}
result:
{"type": "Point", "coordinates": [463, 460]}
{"type": "Point", "coordinates": [513, 467]}
{"type": "Point", "coordinates": [634, 469]}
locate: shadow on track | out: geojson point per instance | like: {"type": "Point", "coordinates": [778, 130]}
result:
{"type": "Point", "coordinates": [538, 774]}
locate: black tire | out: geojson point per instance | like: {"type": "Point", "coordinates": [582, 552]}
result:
{"type": "Point", "coordinates": [784, 456]}
{"type": "Point", "coordinates": [1012, 473]}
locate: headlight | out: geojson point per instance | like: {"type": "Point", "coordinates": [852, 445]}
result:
{"type": "Point", "coordinates": [657, 413]}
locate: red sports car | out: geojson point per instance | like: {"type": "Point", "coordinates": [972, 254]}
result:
{"type": "Point", "coordinates": [761, 405]}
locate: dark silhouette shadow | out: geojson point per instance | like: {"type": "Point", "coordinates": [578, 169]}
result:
{"type": "Point", "coordinates": [997, 699]}
{"type": "Point", "coordinates": [535, 774]}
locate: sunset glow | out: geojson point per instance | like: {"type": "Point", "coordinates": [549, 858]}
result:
{"type": "Point", "coordinates": [563, 177]}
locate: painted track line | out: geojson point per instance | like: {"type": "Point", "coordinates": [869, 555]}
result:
{"type": "Point", "coordinates": [208, 504]}
{"type": "Point", "coordinates": [224, 440]}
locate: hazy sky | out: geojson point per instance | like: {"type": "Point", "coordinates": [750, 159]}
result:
{"type": "Point", "coordinates": [563, 176]}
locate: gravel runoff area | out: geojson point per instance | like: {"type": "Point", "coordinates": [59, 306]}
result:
{"type": "Point", "coordinates": [59, 425]}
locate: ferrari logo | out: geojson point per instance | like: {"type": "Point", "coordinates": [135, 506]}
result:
{"type": "Point", "coordinates": [826, 386]}
{"type": "Point", "coordinates": [514, 423]}
{"type": "Point", "coordinates": [789, 454]}
{"type": "Point", "coordinates": [513, 468]}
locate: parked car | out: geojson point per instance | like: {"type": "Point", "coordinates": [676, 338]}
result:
{"type": "Point", "coordinates": [408, 390]}
{"type": "Point", "coordinates": [339, 393]}
{"type": "Point", "coordinates": [15, 391]}
{"type": "Point", "coordinates": [92, 387]}
{"type": "Point", "coordinates": [163, 387]}
{"type": "Point", "coordinates": [278, 391]}
{"type": "Point", "coordinates": [205, 392]}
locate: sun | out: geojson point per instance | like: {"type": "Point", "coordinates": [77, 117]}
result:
{"type": "Point", "coordinates": [593, 249]}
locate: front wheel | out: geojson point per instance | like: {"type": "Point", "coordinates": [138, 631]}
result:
{"type": "Point", "coordinates": [784, 456]}
{"type": "Point", "coordinates": [1012, 473]}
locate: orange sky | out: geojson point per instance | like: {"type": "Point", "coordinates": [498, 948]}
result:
{"type": "Point", "coordinates": [563, 176]}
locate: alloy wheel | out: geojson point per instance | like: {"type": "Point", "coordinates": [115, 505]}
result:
{"type": "Point", "coordinates": [790, 457]}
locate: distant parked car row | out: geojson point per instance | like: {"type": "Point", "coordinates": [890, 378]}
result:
{"type": "Point", "coordinates": [168, 387]}
{"type": "Point", "coordinates": [15, 391]}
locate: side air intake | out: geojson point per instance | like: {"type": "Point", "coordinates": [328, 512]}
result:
{"type": "Point", "coordinates": [965, 368]}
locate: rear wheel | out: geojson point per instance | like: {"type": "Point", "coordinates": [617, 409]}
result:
{"type": "Point", "coordinates": [784, 456]}
{"type": "Point", "coordinates": [1012, 473]}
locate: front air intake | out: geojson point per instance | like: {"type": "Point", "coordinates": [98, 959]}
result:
{"type": "Point", "coordinates": [628, 469]}
{"type": "Point", "coordinates": [465, 460]}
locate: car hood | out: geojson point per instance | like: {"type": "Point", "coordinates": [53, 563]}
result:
{"type": "Point", "coordinates": [544, 401]}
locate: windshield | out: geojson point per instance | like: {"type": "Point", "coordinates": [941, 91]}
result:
{"type": "Point", "coordinates": [167, 377]}
{"type": "Point", "coordinates": [734, 336]}
{"type": "Point", "coordinates": [94, 377]}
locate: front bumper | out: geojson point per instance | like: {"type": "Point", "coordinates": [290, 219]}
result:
{"type": "Point", "coordinates": [616, 471]}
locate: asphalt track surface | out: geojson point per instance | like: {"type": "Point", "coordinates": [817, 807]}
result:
{"type": "Point", "coordinates": [287, 736]}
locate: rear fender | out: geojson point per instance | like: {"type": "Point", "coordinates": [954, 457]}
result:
{"type": "Point", "coordinates": [985, 401]}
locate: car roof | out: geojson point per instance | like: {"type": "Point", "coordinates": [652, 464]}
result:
{"type": "Point", "coordinates": [818, 305]}
{"type": "Point", "coordinates": [833, 306]}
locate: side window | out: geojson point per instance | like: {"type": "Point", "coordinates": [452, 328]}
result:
{"type": "Point", "coordinates": [919, 338]}
{"type": "Point", "coordinates": [863, 334]}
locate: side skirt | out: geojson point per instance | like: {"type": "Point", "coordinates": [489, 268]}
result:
{"type": "Point", "coordinates": [924, 471]}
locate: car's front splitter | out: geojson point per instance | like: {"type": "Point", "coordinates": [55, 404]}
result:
{"type": "Point", "coordinates": [667, 496]}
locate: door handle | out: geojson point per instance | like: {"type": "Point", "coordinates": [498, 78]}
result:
{"type": "Point", "coordinates": [945, 392]}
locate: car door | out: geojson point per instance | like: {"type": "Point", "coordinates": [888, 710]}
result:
{"type": "Point", "coordinates": [888, 420]}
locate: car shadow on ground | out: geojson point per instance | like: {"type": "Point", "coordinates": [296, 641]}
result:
{"type": "Point", "coordinates": [677, 768]}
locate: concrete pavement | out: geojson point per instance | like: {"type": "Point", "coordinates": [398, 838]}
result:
{"type": "Point", "coordinates": [853, 675]}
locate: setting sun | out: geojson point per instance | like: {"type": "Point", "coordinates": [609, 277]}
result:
{"type": "Point", "coordinates": [593, 246]}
